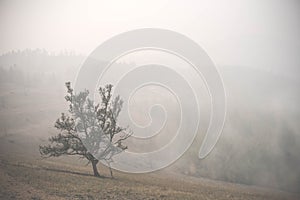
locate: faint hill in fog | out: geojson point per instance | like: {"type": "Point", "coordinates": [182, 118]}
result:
{"type": "Point", "coordinates": [260, 143]}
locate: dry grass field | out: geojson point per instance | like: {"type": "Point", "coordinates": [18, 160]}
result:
{"type": "Point", "coordinates": [65, 178]}
{"type": "Point", "coordinates": [49, 180]}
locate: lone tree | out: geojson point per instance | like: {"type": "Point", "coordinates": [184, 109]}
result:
{"type": "Point", "coordinates": [91, 130]}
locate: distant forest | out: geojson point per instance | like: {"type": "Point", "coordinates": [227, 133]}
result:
{"type": "Point", "coordinates": [38, 67]}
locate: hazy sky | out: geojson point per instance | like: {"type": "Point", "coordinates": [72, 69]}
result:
{"type": "Point", "coordinates": [249, 33]}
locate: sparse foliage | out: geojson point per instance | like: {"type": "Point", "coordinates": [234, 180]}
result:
{"type": "Point", "coordinates": [91, 131]}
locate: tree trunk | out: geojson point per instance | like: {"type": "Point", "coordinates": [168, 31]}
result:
{"type": "Point", "coordinates": [94, 164]}
{"type": "Point", "coordinates": [110, 170]}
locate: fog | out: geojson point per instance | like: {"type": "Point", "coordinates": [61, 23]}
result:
{"type": "Point", "coordinates": [254, 44]}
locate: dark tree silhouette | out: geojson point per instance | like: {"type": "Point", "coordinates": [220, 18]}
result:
{"type": "Point", "coordinates": [91, 131]}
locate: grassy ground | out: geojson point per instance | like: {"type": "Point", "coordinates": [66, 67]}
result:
{"type": "Point", "coordinates": [61, 179]}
